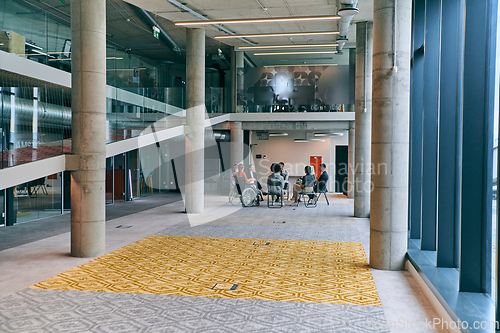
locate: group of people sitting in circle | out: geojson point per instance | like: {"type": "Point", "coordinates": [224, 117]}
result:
{"type": "Point", "coordinates": [309, 183]}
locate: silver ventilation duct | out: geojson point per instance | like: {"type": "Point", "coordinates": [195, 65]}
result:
{"type": "Point", "coordinates": [346, 10]}
{"type": "Point", "coordinates": [57, 116]}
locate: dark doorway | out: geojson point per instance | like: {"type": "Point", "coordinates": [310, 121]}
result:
{"type": "Point", "coordinates": [341, 160]}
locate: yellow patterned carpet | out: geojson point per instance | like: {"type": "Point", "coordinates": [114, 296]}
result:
{"type": "Point", "coordinates": [278, 270]}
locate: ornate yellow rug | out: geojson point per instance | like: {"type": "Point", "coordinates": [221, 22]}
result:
{"type": "Point", "coordinates": [277, 270]}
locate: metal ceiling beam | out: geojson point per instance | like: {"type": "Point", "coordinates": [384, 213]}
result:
{"type": "Point", "coordinates": [164, 36]}
{"type": "Point", "coordinates": [194, 13]}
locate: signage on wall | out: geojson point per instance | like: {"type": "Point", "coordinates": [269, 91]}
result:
{"type": "Point", "coordinates": [156, 32]}
{"type": "Point", "coordinates": [262, 135]}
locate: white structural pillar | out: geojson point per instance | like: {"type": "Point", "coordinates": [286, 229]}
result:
{"type": "Point", "coordinates": [390, 139]}
{"type": "Point", "coordinates": [363, 118]}
{"type": "Point", "coordinates": [350, 162]}
{"type": "Point", "coordinates": [88, 93]}
{"type": "Point", "coordinates": [236, 143]}
{"type": "Point", "coordinates": [195, 120]}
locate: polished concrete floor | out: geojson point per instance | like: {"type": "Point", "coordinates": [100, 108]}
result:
{"type": "Point", "coordinates": [230, 269]}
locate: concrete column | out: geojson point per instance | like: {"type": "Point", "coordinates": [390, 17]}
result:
{"type": "Point", "coordinates": [363, 118]}
{"type": "Point", "coordinates": [237, 80]}
{"type": "Point", "coordinates": [240, 88]}
{"type": "Point", "coordinates": [88, 93]}
{"type": "Point", "coordinates": [390, 140]}
{"type": "Point", "coordinates": [236, 143]}
{"type": "Point", "coordinates": [350, 162]}
{"type": "Point", "coordinates": [195, 119]}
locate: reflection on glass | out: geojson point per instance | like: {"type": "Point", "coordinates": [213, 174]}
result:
{"type": "Point", "coordinates": [133, 173]}
{"type": "Point", "coordinates": [37, 199]}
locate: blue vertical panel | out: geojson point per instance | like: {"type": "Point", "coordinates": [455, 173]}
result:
{"type": "Point", "coordinates": [430, 123]}
{"type": "Point", "coordinates": [416, 100]}
{"type": "Point", "coordinates": [450, 112]}
{"type": "Point", "coordinates": [477, 145]}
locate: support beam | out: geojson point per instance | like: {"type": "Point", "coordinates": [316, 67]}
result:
{"type": "Point", "coordinates": [195, 120]}
{"type": "Point", "coordinates": [236, 143]}
{"type": "Point", "coordinates": [416, 106]}
{"type": "Point", "coordinates": [430, 124]}
{"type": "Point", "coordinates": [350, 162]}
{"type": "Point", "coordinates": [390, 139]}
{"type": "Point", "coordinates": [88, 93]}
{"type": "Point", "coordinates": [450, 123]}
{"type": "Point", "coordinates": [363, 120]}
{"type": "Point", "coordinates": [477, 145]}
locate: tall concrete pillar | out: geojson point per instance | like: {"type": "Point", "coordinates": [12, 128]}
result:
{"type": "Point", "coordinates": [390, 139]}
{"type": "Point", "coordinates": [363, 118]}
{"type": "Point", "coordinates": [237, 79]}
{"type": "Point", "coordinates": [236, 143]}
{"type": "Point", "coordinates": [88, 93]}
{"type": "Point", "coordinates": [350, 162]}
{"type": "Point", "coordinates": [195, 120]}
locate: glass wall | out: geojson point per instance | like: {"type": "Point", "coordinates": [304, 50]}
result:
{"type": "Point", "coordinates": [35, 122]}
{"type": "Point", "coordinates": [38, 199]}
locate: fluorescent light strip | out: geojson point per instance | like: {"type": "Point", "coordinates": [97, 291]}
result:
{"type": "Point", "coordinates": [284, 53]}
{"type": "Point", "coordinates": [285, 34]}
{"type": "Point", "coordinates": [278, 134]}
{"type": "Point", "coordinates": [286, 46]}
{"type": "Point", "coordinates": [309, 140]}
{"type": "Point", "coordinates": [107, 58]}
{"type": "Point", "coordinates": [260, 20]}
{"type": "Point", "coordinates": [125, 69]}
{"type": "Point", "coordinates": [301, 65]}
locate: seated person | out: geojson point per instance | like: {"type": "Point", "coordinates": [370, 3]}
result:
{"type": "Point", "coordinates": [276, 175]}
{"type": "Point", "coordinates": [306, 184]}
{"type": "Point", "coordinates": [322, 180]}
{"type": "Point", "coordinates": [240, 173]}
{"type": "Point", "coordinates": [253, 177]}
{"type": "Point", "coordinates": [284, 173]}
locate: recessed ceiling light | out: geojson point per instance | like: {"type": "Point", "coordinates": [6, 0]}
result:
{"type": "Point", "coordinates": [278, 134]}
{"type": "Point", "coordinates": [284, 34]}
{"type": "Point", "coordinates": [286, 46]}
{"type": "Point", "coordinates": [298, 52]}
{"type": "Point", "coordinates": [261, 20]}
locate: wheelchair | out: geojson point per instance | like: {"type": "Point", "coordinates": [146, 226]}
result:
{"type": "Point", "coordinates": [251, 195]}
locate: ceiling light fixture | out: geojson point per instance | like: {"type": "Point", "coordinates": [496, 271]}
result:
{"type": "Point", "coordinates": [286, 46]}
{"type": "Point", "coordinates": [284, 34]}
{"type": "Point", "coordinates": [300, 65]}
{"type": "Point", "coordinates": [328, 134]}
{"type": "Point", "coordinates": [66, 59]}
{"type": "Point", "coordinates": [278, 134]}
{"type": "Point", "coordinates": [309, 140]}
{"type": "Point", "coordinates": [299, 52]}
{"type": "Point", "coordinates": [260, 20]}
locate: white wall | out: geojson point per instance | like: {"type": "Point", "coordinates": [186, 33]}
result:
{"type": "Point", "coordinates": [295, 155]}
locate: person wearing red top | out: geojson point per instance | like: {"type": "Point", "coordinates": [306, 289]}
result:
{"type": "Point", "coordinates": [240, 173]}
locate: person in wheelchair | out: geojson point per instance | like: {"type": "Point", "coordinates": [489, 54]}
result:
{"type": "Point", "coordinates": [253, 178]}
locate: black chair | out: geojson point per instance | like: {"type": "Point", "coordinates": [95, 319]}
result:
{"type": "Point", "coordinates": [321, 189]}
{"type": "Point", "coordinates": [310, 199]}
{"type": "Point", "coordinates": [273, 183]}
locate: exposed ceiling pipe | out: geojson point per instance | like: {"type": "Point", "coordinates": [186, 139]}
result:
{"type": "Point", "coordinates": [346, 9]}
{"type": "Point", "coordinates": [249, 61]}
{"type": "Point", "coordinates": [184, 8]}
{"type": "Point", "coordinates": [163, 34]}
